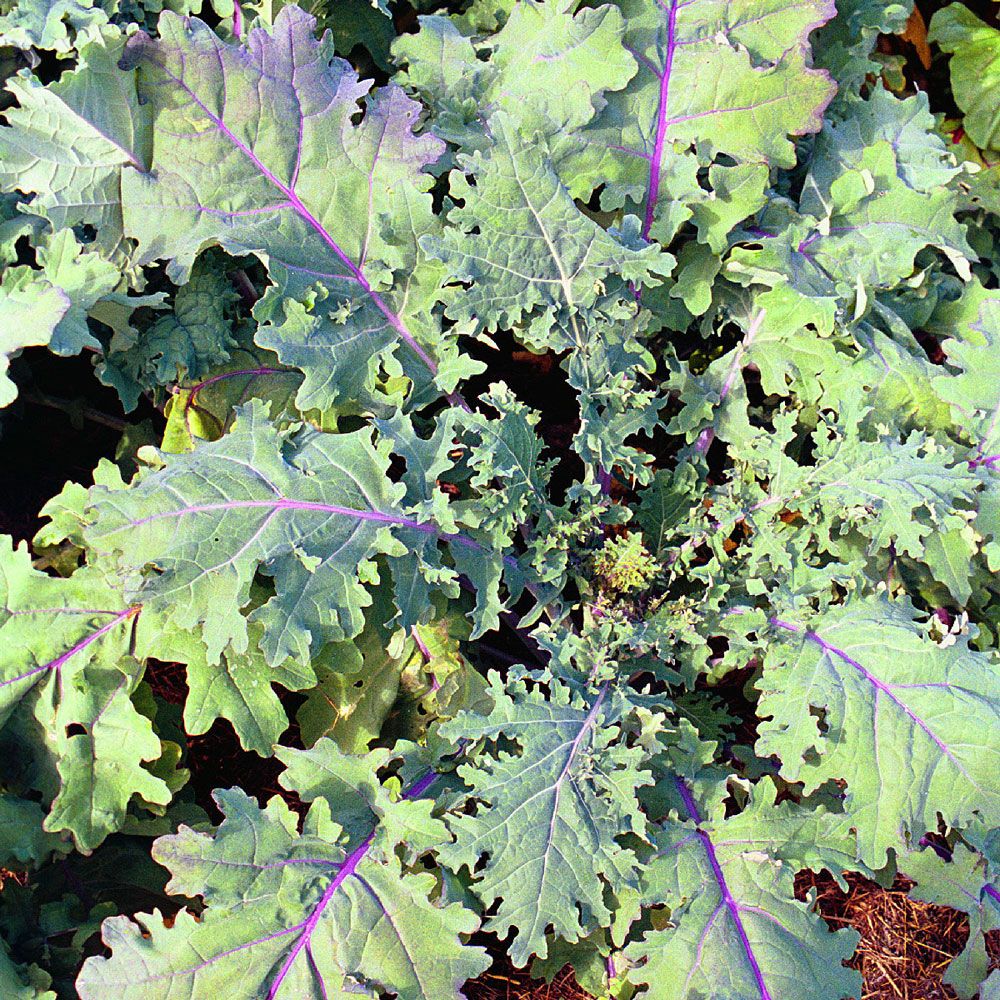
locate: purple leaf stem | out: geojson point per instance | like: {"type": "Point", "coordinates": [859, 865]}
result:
{"type": "Point", "coordinates": [354, 272]}
{"type": "Point", "coordinates": [195, 389]}
{"type": "Point", "coordinates": [653, 185]}
{"type": "Point", "coordinates": [427, 657]}
{"type": "Point", "coordinates": [707, 436]}
{"type": "Point", "coordinates": [727, 897]}
{"type": "Point", "coordinates": [283, 503]}
{"type": "Point", "coordinates": [993, 893]}
{"type": "Point", "coordinates": [347, 869]}
{"type": "Point", "coordinates": [237, 20]}
{"type": "Point", "coordinates": [989, 461]}
{"type": "Point", "coordinates": [604, 480]}
{"type": "Point", "coordinates": [78, 648]}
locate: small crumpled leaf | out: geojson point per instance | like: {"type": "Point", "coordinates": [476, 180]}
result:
{"type": "Point", "coordinates": [547, 67]}
{"type": "Point", "coordinates": [189, 341]}
{"type": "Point", "coordinates": [846, 46]}
{"type": "Point", "coordinates": [547, 815]}
{"type": "Point", "coordinates": [48, 307]}
{"type": "Point", "coordinates": [19, 983]}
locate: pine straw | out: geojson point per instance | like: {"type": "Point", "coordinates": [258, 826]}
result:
{"type": "Point", "coordinates": [504, 982]}
{"type": "Point", "coordinates": [903, 953]}
{"type": "Point", "coordinates": [905, 944]}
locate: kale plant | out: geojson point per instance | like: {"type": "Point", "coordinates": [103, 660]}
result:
{"type": "Point", "coordinates": [598, 686]}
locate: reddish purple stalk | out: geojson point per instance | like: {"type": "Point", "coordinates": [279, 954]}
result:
{"type": "Point", "coordinates": [205, 383]}
{"type": "Point", "coordinates": [79, 647]}
{"type": "Point", "coordinates": [727, 897]}
{"type": "Point", "coordinates": [283, 503]}
{"type": "Point", "coordinates": [252, 372]}
{"type": "Point", "coordinates": [347, 869]}
{"type": "Point", "coordinates": [993, 893]}
{"type": "Point", "coordinates": [653, 184]}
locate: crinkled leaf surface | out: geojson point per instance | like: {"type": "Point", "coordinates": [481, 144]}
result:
{"type": "Point", "coordinates": [724, 78]}
{"type": "Point", "coordinates": [547, 67]}
{"type": "Point", "coordinates": [93, 111]}
{"type": "Point", "coordinates": [49, 24]}
{"type": "Point", "coordinates": [526, 250]}
{"type": "Point", "coordinates": [289, 915]}
{"type": "Point", "coordinates": [325, 202]}
{"type": "Point", "coordinates": [546, 815]}
{"type": "Point", "coordinates": [310, 510]}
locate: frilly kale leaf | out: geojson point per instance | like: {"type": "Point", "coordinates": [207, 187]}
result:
{"type": "Point", "coordinates": [570, 448]}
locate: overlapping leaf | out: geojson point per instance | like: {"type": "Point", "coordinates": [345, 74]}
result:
{"type": "Point", "coordinates": [716, 78]}
{"type": "Point", "coordinates": [965, 883]}
{"type": "Point", "coordinates": [547, 67]}
{"type": "Point", "coordinates": [334, 208]}
{"type": "Point", "coordinates": [67, 670]}
{"type": "Point", "coordinates": [527, 251]}
{"type": "Point", "coordinates": [93, 111]}
{"type": "Point", "coordinates": [306, 914]}
{"type": "Point", "coordinates": [311, 511]}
